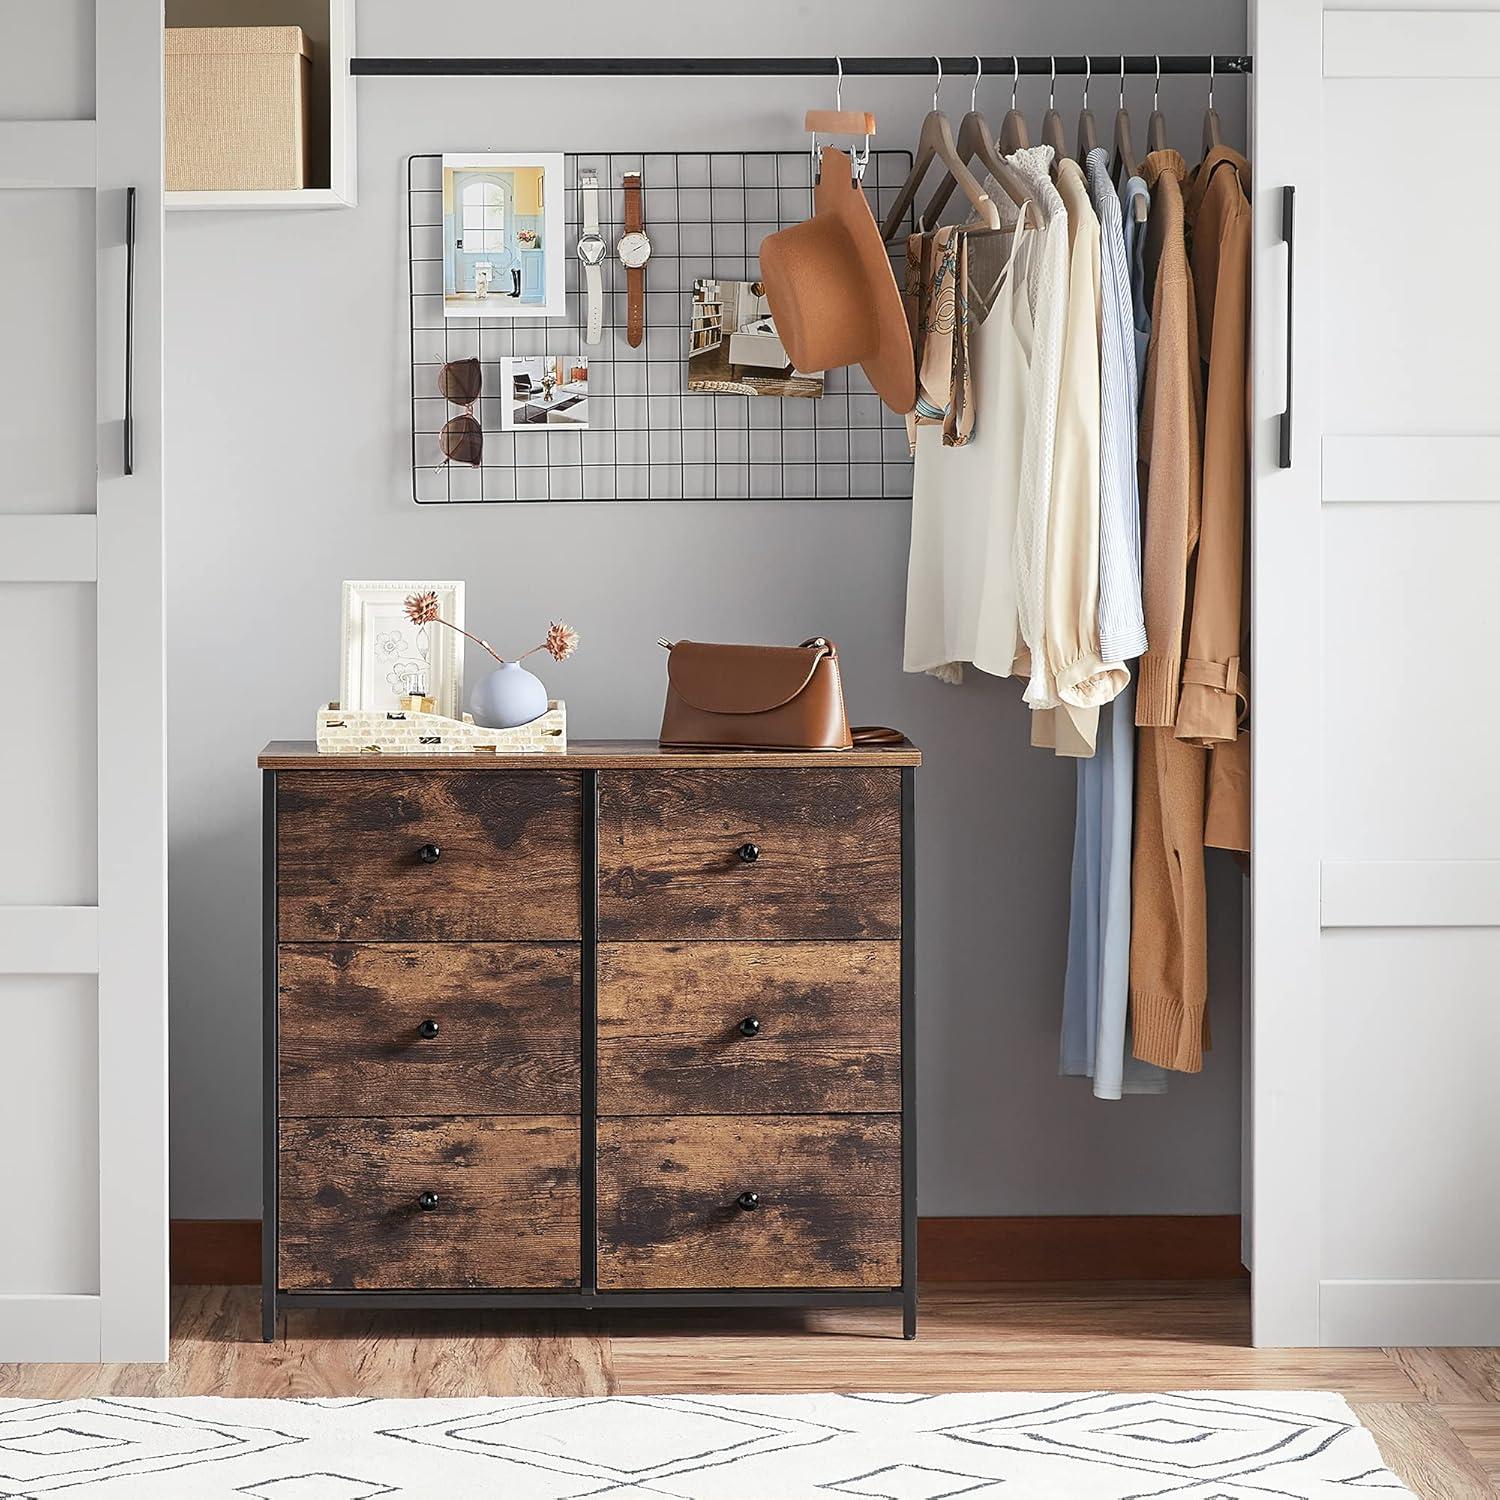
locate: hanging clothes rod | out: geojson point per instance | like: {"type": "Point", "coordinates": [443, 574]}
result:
{"type": "Point", "coordinates": [1103, 64]}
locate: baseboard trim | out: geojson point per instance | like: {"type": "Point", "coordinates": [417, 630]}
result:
{"type": "Point", "coordinates": [1385, 1314]}
{"type": "Point", "coordinates": [1114, 1247]}
{"type": "Point", "coordinates": [1107, 1247]}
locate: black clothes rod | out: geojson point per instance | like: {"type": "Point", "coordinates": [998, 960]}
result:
{"type": "Point", "coordinates": [1103, 65]}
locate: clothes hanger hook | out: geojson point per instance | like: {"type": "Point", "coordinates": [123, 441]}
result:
{"type": "Point", "coordinates": [1015, 78]}
{"type": "Point", "coordinates": [1156, 87]}
{"type": "Point", "coordinates": [937, 87]}
{"type": "Point", "coordinates": [838, 88]}
{"type": "Point", "coordinates": [1122, 80]}
{"type": "Point", "coordinates": [1210, 80]}
{"type": "Point", "coordinates": [1088, 76]}
{"type": "Point", "coordinates": [1052, 86]}
{"type": "Point", "coordinates": [978, 74]}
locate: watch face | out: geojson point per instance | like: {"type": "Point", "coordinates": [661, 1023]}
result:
{"type": "Point", "coordinates": [635, 249]}
{"type": "Point", "coordinates": [591, 249]}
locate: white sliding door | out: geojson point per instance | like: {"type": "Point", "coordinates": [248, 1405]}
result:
{"type": "Point", "coordinates": [1376, 880]}
{"type": "Point", "coordinates": [83, 1253]}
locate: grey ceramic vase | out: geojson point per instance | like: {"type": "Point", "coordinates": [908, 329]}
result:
{"type": "Point", "coordinates": [508, 696]}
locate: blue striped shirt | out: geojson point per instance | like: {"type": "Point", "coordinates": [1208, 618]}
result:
{"type": "Point", "coordinates": [1122, 620]}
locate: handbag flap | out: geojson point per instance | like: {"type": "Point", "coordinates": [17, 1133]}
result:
{"type": "Point", "coordinates": [741, 679]}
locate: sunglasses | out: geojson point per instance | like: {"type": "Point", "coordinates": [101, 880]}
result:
{"type": "Point", "coordinates": [462, 438]}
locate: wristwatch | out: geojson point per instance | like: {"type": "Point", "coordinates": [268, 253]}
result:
{"type": "Point", "coordinates": [634, 251]}
{"type": "Point", "coordinates": [591, 249]}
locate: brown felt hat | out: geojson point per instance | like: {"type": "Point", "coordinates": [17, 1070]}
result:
{"type": "Point", "coordinates": [833, 294]}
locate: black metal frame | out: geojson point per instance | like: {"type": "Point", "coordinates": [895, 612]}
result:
{"type": "Point", "coordinates": [1038, 64]}
{"type": "Point", "coordinates": [588, 1297]}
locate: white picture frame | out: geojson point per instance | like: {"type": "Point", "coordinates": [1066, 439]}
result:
{"type": "Point", "coordinates": [380, 646]}
{"type": "Point", "coordinates": [522, 193]}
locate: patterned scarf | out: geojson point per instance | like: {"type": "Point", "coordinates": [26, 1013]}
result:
{"type": "Point", "coordinates": [937, 313]}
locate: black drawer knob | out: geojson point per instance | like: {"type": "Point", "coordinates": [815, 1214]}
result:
{"type": "Point", "coordinates": [427, 1030]}
{"type": "Point", "coordinates": [429, 854]}
{"type": "Point", "coordinates": [750, 1026]}
{"type": "Point", "coordinates": [427, 1202]}
{"type": "Point", "coordinates": [749, 853]}
{"type": "Point", "coordinates": [748, 1201]}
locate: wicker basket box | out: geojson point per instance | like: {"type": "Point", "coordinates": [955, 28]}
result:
{"type": "Point", "coordinates": [237, 107]}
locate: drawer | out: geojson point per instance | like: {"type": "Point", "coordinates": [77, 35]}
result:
{"type": "Point", "coordinates": [353, 852]}
{"type": "Point", "coordinates": [749, 854]}
{"type": "Point", "coordinates": [726, 1028]}
{"type": "Point", "coordinates": [505, 1212]}
{"type": "Point", "coordinates": [826, 1207]}
{"type": "Point", "coordinates": [429, 1029]}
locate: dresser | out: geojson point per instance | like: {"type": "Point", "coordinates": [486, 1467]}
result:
{"type": "Point", "coordinates": [621, 1027]}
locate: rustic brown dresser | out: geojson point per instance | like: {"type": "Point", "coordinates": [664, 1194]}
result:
{"type": "Point", "coordinates": [621, 1027]}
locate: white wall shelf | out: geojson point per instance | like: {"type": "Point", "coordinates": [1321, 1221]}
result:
{"type": "Point", "coordinates": [337, 92]}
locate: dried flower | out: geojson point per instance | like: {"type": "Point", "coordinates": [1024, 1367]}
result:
{"type": "Point", "coordinates": [561, 642]}
{"type": "Point", "coordinates": [422, 609]}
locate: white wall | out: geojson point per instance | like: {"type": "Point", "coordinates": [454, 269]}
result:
{"type": "Point", "coordinates": [288, 443]}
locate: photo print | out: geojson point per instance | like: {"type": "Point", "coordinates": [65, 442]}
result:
{"type": "Point", "coordinates": [734, 346]}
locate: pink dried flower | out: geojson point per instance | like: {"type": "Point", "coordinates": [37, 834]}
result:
{"type": "Point", "coordinates": [561, 642]}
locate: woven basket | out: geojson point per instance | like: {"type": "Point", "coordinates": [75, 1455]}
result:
{"type": "Point", "coordinates": [237, 107]}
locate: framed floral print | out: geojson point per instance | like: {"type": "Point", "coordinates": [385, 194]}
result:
{"type": "Point", "coordinates": [386, 657]}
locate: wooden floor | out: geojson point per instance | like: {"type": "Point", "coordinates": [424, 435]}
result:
{"type": "Point", "coordinates": [1435, 1412]}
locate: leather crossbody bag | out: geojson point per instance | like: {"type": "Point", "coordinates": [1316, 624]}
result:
{"type": "Point", "coordinates": [758, 698]}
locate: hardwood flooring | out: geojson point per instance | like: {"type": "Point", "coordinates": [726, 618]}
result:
{"type": "Point", "coordinates": [1435, 1412]}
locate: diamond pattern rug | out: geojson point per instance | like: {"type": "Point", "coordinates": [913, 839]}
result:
{"type": "Point", "coordinates": [1202, 1445]}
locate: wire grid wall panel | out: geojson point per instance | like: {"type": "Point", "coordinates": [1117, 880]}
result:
{"type": "Point", "coordinates": [648, 436]}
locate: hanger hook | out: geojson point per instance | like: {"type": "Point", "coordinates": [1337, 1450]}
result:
{"type": "Point", "coordinates": [1156, 87]}
{"type": "Point", "coordinates": [1122, 80]}
{"type": "Point", "coordinates": [838, 88]}
{"type": "Point", "coordinates": [937, 87]}
{"type": "Point", "coordinates": [1015, 78]}
{"type": "Point", "coordinates": [1052, 86]}
{"type": "Point", "coordinates": [1088, 77]}
{"type": "Point", "coordinates": [978, 74]}
{"type": "Point", "coordinates": [1210, 80]}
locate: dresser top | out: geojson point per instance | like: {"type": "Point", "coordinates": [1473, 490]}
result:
{"type": "Point", "coordinates": [585, 755]}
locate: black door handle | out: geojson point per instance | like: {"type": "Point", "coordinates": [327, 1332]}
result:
{"type": "Point", "coordinates": [1288, 202]}
{"type": "Point", "coordinates": [129, 424]}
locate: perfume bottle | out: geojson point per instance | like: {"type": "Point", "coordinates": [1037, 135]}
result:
{"type": "Point", "coordinates": [415, 700]}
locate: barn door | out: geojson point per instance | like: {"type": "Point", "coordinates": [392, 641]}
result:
{"type": "Point", "coordinates": [1376, 881]}
{"type": "Point", "coordinates": [83, 1181]}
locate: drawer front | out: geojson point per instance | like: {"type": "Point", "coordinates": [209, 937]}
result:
{"type": "Point", "coordinates": [728, 1028]}
{"type": "Point", "coordinates": [506, 1210]}
{"type": "Point", "coordinates": [429, 1029]}
{"type": "Point", "coordinates": [749, 854]}
{"type": "Point", "coordinates": [827, 1205]}
{"type": "Point", "coordinates": [350, 856]}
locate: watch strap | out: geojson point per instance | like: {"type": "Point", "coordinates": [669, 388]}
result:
{"type": "Point", "coordinates": [593, 282]}
{"type": "Point", "coordinates": [634, 216]}
{"type": "Point", "coordinates": [589, 184]}
{"type": "Point", "coordinates": [635, 305]}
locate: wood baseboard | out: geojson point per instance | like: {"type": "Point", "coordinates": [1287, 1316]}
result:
{"type": "Point", "coordinates": [1113, 1247]}
{"type": "Point", "coordinates": [1117, 1247]}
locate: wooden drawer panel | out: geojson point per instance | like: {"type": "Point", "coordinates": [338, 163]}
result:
{"type": "Point", "coordinates": [352, 1019]}
{"type": "Point", "coordinates": [827, 1032]}
{"type": "Point", "coordinates": [348, 861]}
{"type": "Point", "coordinates": [506, 1214]}
{"type": "Point", "coordinates": [829, 861]}
{"type": "Point", "coordinates": [829, 1210]}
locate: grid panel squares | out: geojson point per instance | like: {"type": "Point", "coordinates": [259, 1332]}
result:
{"type": "Point", "coordinates": [649, 437]}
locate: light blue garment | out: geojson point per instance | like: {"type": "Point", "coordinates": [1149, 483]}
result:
{"type": "Point", "coordinates": [1134, 222]}
{"type": "Point", "coordinates": [1096, 993]}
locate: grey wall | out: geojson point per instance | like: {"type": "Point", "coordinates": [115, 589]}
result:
{"type": "Point", "coordinates": [288, 445]}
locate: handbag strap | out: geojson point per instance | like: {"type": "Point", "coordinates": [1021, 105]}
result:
{"type": "Point", "coordinates": [876, 734]}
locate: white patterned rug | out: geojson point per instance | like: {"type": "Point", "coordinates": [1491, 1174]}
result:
{"type": "Point", "coordinates": [1226, 1445]}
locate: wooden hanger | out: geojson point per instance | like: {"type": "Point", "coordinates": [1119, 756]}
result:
{"type": "Point", "coordinates": [841, 121]}
{"type": "Point", "coordinates": [1156, 127]}
{"type": "Point", "coordinates": [1054, 132]}
{"type": "Point", "coordinates": [1212, 131]}
{"type": "Point", "coordinates": [1088, 135]}
{"type": "Point", "coordinates": [1125, 158]}
{"type": "Point", "coordinates": [976, 142]}
{"type": "Point", "coordinates": [936, 143]}
{"type": "Point", "coordinates": [1014, 135]}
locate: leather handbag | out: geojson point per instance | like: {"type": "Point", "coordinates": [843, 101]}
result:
{"type": "Point", "coordinates": [755, 697]}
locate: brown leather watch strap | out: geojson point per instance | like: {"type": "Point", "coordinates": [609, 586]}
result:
{"type": "Point", "coordinates": [635, 276]}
